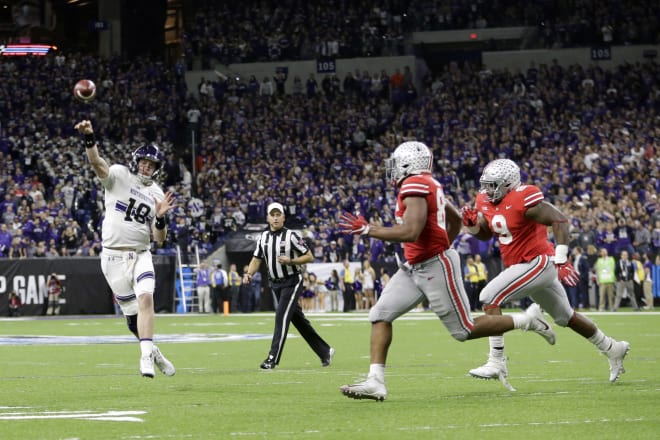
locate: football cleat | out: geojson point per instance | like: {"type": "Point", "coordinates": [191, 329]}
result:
{"type": "Point", "coordinates": [615, 356]}
{"type": "Point", "coordinates": [538, 323]}
{"type": "Point", "coordinates": [268, 363]}
{"type": "Point", "coordinates": [372, 388]}
{"type": "Point", "coordinates": [328, 360]}
{"type": "Point", "coordinates": [491, 369]}
{"type": "Point", "coordinates": [147, 366]}
{"type": "Point", "coordinates": [495, 368]}
{"type": "Point", "coordinates": [163, 364]}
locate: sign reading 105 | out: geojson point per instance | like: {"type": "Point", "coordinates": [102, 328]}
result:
{"type": "Point", "coordinates": [326, 65]}
{"type": "Point", "coordinates": [601, 53]}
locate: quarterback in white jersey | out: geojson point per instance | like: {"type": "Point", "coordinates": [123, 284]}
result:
{"type": "Point", "coordinates": [135, 209]}
{"type": "Point", "coordinates": [129, 209]}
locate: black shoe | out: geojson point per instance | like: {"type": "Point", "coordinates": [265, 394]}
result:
{"type": "Point", "coordinates": [268, 364]}
{"type": "Point", "coordinates": [328, 360]}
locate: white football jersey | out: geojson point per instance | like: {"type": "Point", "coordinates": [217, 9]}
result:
{"type": "Point", "coordinates": [130, 210]}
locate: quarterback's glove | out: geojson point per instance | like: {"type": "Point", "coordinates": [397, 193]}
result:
{"type": "Point", "coordinates": [469, 215]}
{"type": "Point", "coordinates": [351, 224]}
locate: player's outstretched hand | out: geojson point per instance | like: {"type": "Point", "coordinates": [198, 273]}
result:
{"type": "Point", "coordinates": [469, 216]}
{"type": "Point", "coordinates": [165, 205]}
{"type": "Point", "coordinates": [351, 224]}
{"type": "Point", "coordinates": [567, 274]}
{"type": "Point", "coordinates": [84, 127]}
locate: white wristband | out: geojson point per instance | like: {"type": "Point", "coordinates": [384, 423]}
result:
{"type": "Point", "coordinates": [561, 254]}
{"type": "Point", "coordinates": [366, 230]}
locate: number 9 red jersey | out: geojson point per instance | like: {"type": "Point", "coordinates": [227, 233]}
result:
{"type": "Point", "coordinates": [520, 238]}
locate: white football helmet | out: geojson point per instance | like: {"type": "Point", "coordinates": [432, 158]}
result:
{"type": "Point", "coordinates": [409, 158]}
{"type": "Point", "coordinates": [498, 178]}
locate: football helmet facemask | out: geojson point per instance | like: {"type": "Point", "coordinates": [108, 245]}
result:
{"type": "Point", "coordinates": [409, 158]}
{"type": "Point", "coordinates": [150, 152]}
{"type": "Point", "coordinates": [498, 178]}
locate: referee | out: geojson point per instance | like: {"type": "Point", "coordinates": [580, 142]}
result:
{"type": "Point", "coordinates": [284, 251]}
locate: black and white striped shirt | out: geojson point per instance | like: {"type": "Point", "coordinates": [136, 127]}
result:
{"type": "Point", "coordinates": [272, 244]}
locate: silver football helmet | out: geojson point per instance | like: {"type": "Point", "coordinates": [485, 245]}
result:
{"type": "Point", "coordinates": [498, 178]}
{"type": "Point", "coordinates": [409, 158]}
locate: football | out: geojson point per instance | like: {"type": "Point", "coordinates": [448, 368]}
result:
{"type": "Point", "coordinates": [84, 90]}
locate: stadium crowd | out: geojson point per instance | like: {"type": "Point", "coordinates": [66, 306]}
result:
{"type": "Point", "coordinates": [254, 30]}
{"type": "Point", "coordinates": [588, 136]}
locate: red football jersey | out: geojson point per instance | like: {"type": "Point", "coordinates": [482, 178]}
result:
{"type": "Point", "coordinates": [433, 240]}
{"type": "Point", "coordinates": [521, 239]}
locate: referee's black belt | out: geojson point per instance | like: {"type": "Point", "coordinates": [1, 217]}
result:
{"type": "Point", "coordinates": [283, 279]}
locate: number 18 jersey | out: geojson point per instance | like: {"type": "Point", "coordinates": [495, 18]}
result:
{"type": "Point", "coordinates": [129, 210]}
{"type": "Point", "coordinates": [520, 238]}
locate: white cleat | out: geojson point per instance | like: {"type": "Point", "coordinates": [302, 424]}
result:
{"type": "Point", "coordinates": [163, 364]}
{"type": "Point", "coordinates": [372, 388]}
{"type": "Point", "coordinates": [615, 355]}
{"type": "Point", "coordinates": [147, 366]}
{"type": "Point", "coordinates": [493, 369]}
{"type": "Point", "coordinates": [538, 324]}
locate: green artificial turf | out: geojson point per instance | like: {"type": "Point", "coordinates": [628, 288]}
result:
{"type": "Point", "coordinates": [56, 389]}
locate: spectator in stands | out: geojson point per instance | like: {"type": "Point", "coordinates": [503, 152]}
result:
{"type": "Point", "coordinates": [607, 237]}
{"type": "Point", "coordinates": [605, 279]}
{"type": "Point", "coordinates": [244, 295]}
{"type": "Point", "coordinates": [333, 286]}
{"type": "Point", "coordinates": [55, 289]}
{"type": "Point", "coordinates": [311, 86]}
{"type": "Point", "coordinates": [16, 249]}
{"type": "Point", "coordinates": [624, 233]}
{"type": "Point", "coordinates": [280, 81]}
{"type": "Point", "coordinates": [14, 303]}
{"type": "Point", "coordinates": [358, 292]}
{"type": "Point", "coordinates": [579, 294]}
{"type": "Point", "coordinates": [308, 294]}
{"type": "Point", "coordinates": [233, 288]}
{"type": "Point", "coordinates": [219, 283]}
{"type": "Point", "coordinates": [5, 240]}
{"type": "Point", "coordinates": [297, 88]}
{"type": "Point", "coordinates": [625, 274]}
{"type": "Point", "coordinates": [641, 237]}
{"type": "Point", "coordinates": [255, 292]}
{"type": "Point", "coordinates": [194, 115]}
{"type": "Point", "coordinates": [346, 276]}
{"type": "Point", "coordinates": [266, 88]}
{"type": "Point", "coordinates": [638, 279]}
{"type": "Point", "coordinates": [368, 284]}
{"type": "Point", "coordinates": [203, 282]}
{"type": "Point", "coordinates": [70, 240]}
{"type": "Point", "coordinates": [647, 286]}
{"type": "Point", "coordinates": [655, 239]}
